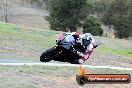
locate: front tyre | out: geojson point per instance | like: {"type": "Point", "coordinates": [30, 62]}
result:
{"type": "Point", "coordinates": [47, 55]}
{"type": "Point", "coordinates": [75, 62]}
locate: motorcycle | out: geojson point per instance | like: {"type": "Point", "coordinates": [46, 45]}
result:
{"type": "Point", "coordinates": [64, 51]}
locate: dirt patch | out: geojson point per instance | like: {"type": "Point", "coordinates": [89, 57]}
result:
{"type": "Point", "coordinates": [28, 20]}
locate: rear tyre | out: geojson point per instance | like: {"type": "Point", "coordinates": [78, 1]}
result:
{"type": "Point", "coordinates": [47, 55]}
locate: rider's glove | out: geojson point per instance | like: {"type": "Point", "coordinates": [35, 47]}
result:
{"type": "Point", "coordinates": [95, 46]}
{"type": "Point", "coordinates": [80, 53]}
{"type": "Point", "coordinates": [80, 61]}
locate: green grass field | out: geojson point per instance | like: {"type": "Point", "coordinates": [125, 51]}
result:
{"type": "Point", "coordinates": [122, 52]}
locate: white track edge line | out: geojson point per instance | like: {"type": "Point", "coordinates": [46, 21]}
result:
{"type": "Point", "coordinates": [65, 65]}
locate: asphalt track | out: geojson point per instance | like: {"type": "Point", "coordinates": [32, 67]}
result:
{"type": "Point", "coordinates": [13, 61]}
{"type": "Point", "coordinates": [66, 65]}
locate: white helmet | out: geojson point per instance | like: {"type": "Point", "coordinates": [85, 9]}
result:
{"type": "Point", "coordinates": [87, 36]}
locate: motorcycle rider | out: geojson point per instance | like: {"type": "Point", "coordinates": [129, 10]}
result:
{"type": "Point", "coordinates": [88, 43]}
{"type": "Point", "coordinates": [86, 40]}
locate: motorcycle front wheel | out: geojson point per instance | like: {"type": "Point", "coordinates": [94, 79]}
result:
{"type": "Point", "coordinates": [47, 55]}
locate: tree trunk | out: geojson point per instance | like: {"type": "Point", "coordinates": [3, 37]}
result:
{"type": "Point", "coordinates": [5, 12]}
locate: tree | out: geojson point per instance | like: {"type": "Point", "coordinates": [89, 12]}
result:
{"type": "Point", "coordinates": [130, 16]}
{"type": "Point", "coordinates": [121, 24]}
{"type": "Point", "coordinates": [93, 26]}
{"type": "Point", "coordinates": [66, 13]}
{"type": "Point", "coordinates": [117, 15]}
{"type": "Point", "coordinates": [5, 8]}
{"type": "Point", "coordinates": [100, 6]}
{"type": "Point", "coordinates": [5, 11]}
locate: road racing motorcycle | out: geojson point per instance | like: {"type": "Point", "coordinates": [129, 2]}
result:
{"type": "Point", "coordinates": [64, 50]}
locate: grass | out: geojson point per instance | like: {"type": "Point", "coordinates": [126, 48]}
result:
{"type": "Point", "coordinates": [30, 20]}
{"type": "Point", "coordinates": [25, 76]}
{"type": "Point", "coordinates": [32, 41]}
{"type": "Point", "coordinates": [56, 71]}
{"type": "Point", "coordinates": [123, 52]}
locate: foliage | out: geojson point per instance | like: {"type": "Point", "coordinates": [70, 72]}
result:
{"type": "Point", "coordinates": [66, 13]}
{"type": "Point", "coordinates": [117, 15]}
{"type": "Point", "coordinates": [121, 24]}
{"type": "Point", "coordinates": [93, 26]}
{"type": "Point", "coordinates": [130, 17]}
{"type": "Point", "coordinates": [100, 6]}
